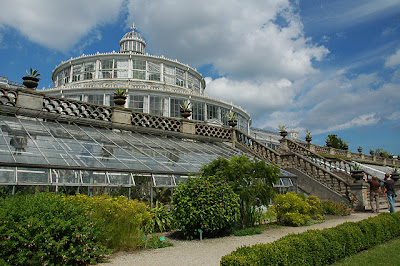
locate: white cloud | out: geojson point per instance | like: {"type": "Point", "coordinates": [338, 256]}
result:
{"type": "Point", "coordinates": [242, 39]}
{"type": "Point", "coordinates": [393, 60]}
{"type": "Point", "coordinates": [57, 24]}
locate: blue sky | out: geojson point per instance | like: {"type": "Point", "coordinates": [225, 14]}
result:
{"type": "Point", "coordinates": [331, 67]}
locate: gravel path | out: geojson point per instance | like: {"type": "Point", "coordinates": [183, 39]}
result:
{"type": "Point", "coordinates": [210, 251]}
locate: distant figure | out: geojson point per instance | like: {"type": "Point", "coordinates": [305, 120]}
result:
{"type": "Point", "coordinates": [374, 193]}
{"type": "Point", "coordinates": [389, 190]}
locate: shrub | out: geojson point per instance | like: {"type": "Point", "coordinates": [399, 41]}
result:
{"type": "Point", "coordinates": [315, 206]}
{"type": "Point", "coordinates": [45, 229]}
{"type": "Point", "coordinates": [292, 209]}
{"type": "Point", "coordinates": [205, 203]}
{"type": "Point", "coordinates": [248, 231]}
{"type": "Point", "coordinates": [335, 208]}
{"type": "Point", "coordinates": [319, 247]}
{"type": "Point", "coordinates": [123, 220]}
{"type": "Point", "coordinates": [251, 179]}
{"type": "Point", "coordinates": [161, 219]}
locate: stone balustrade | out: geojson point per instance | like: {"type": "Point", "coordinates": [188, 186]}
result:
{"type": "Point", "coordinates": [349, 155]}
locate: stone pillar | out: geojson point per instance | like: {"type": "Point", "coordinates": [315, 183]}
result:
{"type": "Point", "coordinates": [311, 147]}
{"type": "Point", "coordinates": [233, 137]}
{"type": "Point", "coordinates": [121, 116]}
{"type": "Point", "coordinates": [331, 151]}
{"type": "Point", "coordinates": [348, 154]}
{"type": "Point", "coordinates": [284, 145]}
{"type": "Point", "coordinates": [30, 100]}
{"type": "Point", "coordinates": [360, 190]}
{"type": "Point", "coordinates": [188, 126]}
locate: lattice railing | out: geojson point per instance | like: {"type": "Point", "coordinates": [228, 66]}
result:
{"type": "Point", "coordinates": [76, 108]}
{"type": "Point", "coordinates": [8, 97]}
{"type": "Point", "coordinates": [213, 131]}
{"type": "Point", "coordinates": [157, 122]}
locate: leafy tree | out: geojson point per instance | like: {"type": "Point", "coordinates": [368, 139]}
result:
{"type": "Point", "coordinates": [252, 180]}
{"type": "Point", "coordinates": [337, 143]}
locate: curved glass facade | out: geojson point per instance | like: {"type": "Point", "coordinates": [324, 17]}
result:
{"type": "Point", "coordinates": [155, 85]}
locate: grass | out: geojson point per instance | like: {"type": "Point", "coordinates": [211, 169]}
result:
{"type": "Point", "coordinates": [385, 254]}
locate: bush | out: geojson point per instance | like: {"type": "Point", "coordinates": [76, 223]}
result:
{"type": "Point", "coordinates": [292, 209]}
{"type": "Point", "coordinates": [319, 247]}
{"type": "Point", "coordinates": [335, 208]}
{"type": "Point", "coordinates": [161, 219]}
{"type": "Point", "coordinates": [123, 220]}
{"type": "Point", "coordinates": [248, 231]}
{"type": "Point", "coordinates": [45, 229]}
{"type": "Point", "coordinates": [205, 203]}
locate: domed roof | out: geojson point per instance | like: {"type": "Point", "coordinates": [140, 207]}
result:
{"type": "Point", "coordinates": [132, 37]}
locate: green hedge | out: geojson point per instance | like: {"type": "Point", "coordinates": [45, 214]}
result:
{"type": "Point", "coordinates": [319, 247]}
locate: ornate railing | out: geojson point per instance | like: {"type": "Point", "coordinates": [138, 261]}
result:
{"type": "Point", "coordinates": [154, 121]}
{"type": "Point", "coordinates": [76, 108]}
{"type": "Point", "coordinates": [213, 131]}
{"type": "Point", "coordinates": [336, 165]}
{"type": "Point", "coordinates": [257, 148]}
{"type": "Point", "coordinates": [318, 173]}
{"type": "Point", "coordinates": [8, 97]}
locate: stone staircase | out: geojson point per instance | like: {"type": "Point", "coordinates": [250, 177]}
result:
{"type": "Point", "coordinates": [315, 175]}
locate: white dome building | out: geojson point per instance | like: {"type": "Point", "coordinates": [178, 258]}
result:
{"type": "Point", "coordinates": [155, 85]}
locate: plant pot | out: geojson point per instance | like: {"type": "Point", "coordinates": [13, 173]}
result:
{"type": "Point", "coordinates": [119, 100]}
{"type": "Point", "coordinates": [358, 175]}
{"type": "Point", "coordinates": [283, 133]}
{"type": "Point", "coordinates": [186, 113]}
{"type": "Point", "coordinates": [232, 123]}
{"type": "Point", "coordinates": [30, 82]}
{"type": "Point", "coordinates": [372, 153]}
{"type": "Point", "coordinates": [308, 139]}
{"type": "Point", "coordinates": [345, 147]}
{"type": "Point", "coordinates": [395, 177]}
{"type": "Point", "coordinates": [359, 150]}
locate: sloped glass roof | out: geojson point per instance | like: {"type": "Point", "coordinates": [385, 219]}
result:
{"type": "Point", "coordinates": [35, 142]}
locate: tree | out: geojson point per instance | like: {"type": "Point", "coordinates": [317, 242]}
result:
{"type": "Point", "coordinates": [337, 143]}
{"type": "Point", "coordinates": [252, 180]}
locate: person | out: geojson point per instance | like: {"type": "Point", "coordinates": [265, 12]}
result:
{"type": "Point", "coordinates": [389, 191]}
{"type": "Point", "coordinates": [374, 192]}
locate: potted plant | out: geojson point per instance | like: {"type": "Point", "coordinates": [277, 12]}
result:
{"type": "Point", "coordinates": [120, 97]}
{"type": "Point", "coordinates": [282, 131]}
{"type": "Point", "coordinates": [359, 149]}
{"type": "Point", "coordinates": [395, 174]}
{"type": "Point", "coordinates": [186, 110]}
{"type": "Point", "coordinates": [232, 121]}
{"type": "Point", "coordinates": [371, 151]}
{"type": "Point", "coordinates": [345, 145]}
{"type": "Point", "coordinates": [31, 80]}
{"type": "Point", "coordinates": [356, 172]}
{"type": "Point", "coordinates": [308, 136]}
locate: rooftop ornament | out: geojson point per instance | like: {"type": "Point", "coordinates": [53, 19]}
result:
{"type": "Point", "coordinates": [282, 130]}
{"type": "Point", "coordinates": [232, 119]}
{"type": "Point", "coordinates": [31, 80]}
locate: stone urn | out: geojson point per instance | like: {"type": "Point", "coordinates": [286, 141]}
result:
{"type": "Point", "coordinates": [119, 100]}
{"type": "Point", "coordinates": [357, 175]}
{"type": "Point", "coordinates": [232, 123]}
{"type": "Point", "coordinates": [30, 82]}
{"type": "Point", "coordinates": [308, 139]}
{"type": "Point", "coordinates": [283, 133]}
{"type": "Point", "coordinates": [359, 149]}
{"type": "Point", "coordinates": [395, 176]}
{"type": "Point", "coordinates": [185, 113]}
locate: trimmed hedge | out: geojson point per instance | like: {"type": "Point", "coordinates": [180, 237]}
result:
{"type": "Point", "coordinates": [319, 247]}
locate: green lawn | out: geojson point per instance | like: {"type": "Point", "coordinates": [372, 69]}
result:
{"type": "Point", "coordinates": [386, 254]}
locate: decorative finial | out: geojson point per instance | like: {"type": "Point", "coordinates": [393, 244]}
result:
{"type": "Point", "coordinates": [133, 27]}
